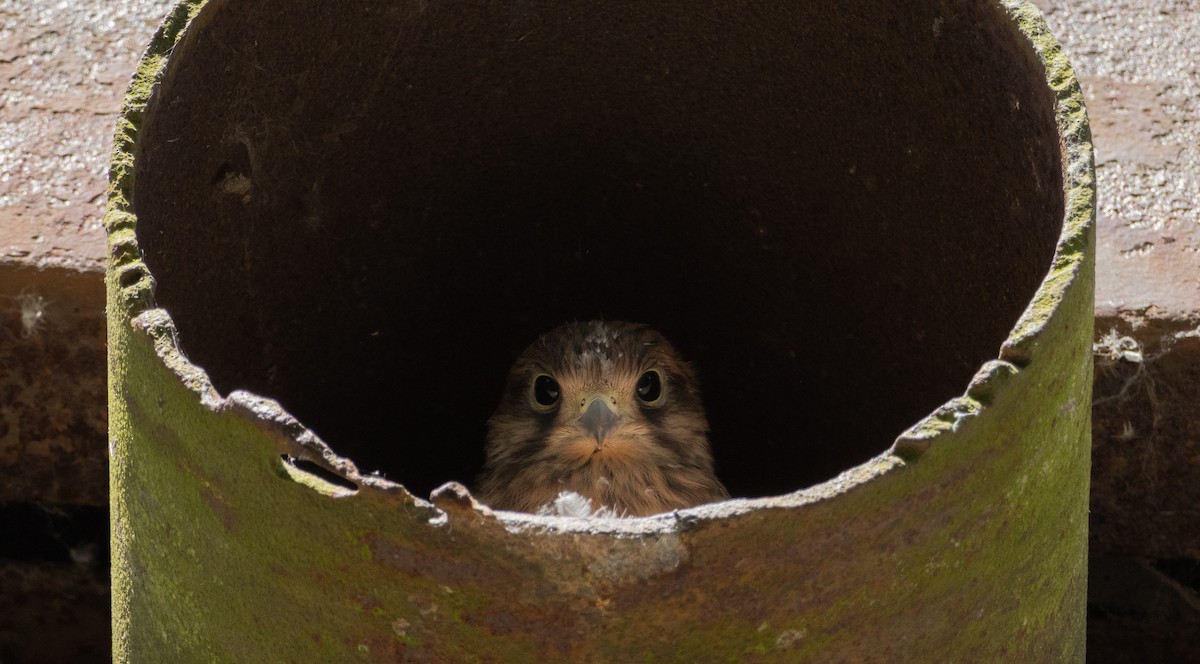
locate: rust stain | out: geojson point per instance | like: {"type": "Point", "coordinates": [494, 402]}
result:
{"type": "Point", "coordinates": [217, 502]}
{"type": "Point", "coordinates": [445, 568]}
{"type": "Point", "coordinates": [220, 506]}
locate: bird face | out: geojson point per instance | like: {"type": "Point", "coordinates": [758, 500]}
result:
{"type": "Point", "coordinates": [599, 411]}
{"type": "Point", "coordinates": [606, 410]}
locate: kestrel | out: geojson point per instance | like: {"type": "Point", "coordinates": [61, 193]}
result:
{"type": "Point", "coordinates": [607, 410]}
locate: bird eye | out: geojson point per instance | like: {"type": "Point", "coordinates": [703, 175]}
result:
{"type": "Point", "coordinates": [546, 391]}
{"type": "Point", "coordinates": [649, 387]}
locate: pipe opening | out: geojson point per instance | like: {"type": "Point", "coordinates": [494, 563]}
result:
{"type": "Point", "coordinates": [366, 212]}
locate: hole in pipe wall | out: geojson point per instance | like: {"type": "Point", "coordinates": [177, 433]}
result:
{"type": "Point", "coordinates": [316, 476]}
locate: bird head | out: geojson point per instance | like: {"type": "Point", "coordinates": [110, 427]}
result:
{"type": "Point", "coordinates": [595, 403]}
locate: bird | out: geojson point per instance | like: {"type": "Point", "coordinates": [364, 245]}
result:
{"type": "Point", "coordinates": [608, 411]}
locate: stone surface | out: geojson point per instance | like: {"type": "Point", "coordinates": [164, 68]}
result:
{"type": "Point", "coordinates": [1146, 439]}
{"type": "Point", "coordinates": [53, 417]}
{"type": "Point", "coordinates": [64, 67]}
{"type": "Point", "coordinates": [53, 613]}
{"type": "Point", "coordinates": [1139, 63]}
{"type": "Point", "coordinates": [1141, 611]}
{"type": "Point", "coordinates": [1145, 520]}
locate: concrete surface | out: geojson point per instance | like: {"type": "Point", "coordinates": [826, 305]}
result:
{"type": "Point", "coordinates": [65, 65]}
{"type": "Point", "coordinates": [1139, 64]}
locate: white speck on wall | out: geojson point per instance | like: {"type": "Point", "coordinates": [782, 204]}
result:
{"type": "Point", "coordinates": [32, 308]}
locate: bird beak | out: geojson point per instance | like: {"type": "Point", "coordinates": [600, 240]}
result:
{"type": "Point", "coordinates": [598, 417]}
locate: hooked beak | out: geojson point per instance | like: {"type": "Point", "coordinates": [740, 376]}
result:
{"type": "Point", "coordinates": [598, 416]}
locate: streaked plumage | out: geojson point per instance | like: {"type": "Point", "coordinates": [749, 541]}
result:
{"type": "Point", "coordinates": [607, 410]}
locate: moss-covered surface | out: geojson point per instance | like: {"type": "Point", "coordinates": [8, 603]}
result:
{"type": "Point", "coordinates": [971, 548]}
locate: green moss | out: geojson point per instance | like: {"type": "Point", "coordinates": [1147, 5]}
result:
{"type": "Point", "coordinates": [1077, 240]}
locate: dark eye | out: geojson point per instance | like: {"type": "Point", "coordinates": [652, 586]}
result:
{"type": "Point", "coordinates": [649, 386]}
{"type": "Point", "coordinates": [546, 390]}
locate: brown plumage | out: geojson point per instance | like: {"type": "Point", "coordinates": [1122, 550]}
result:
{"type": "Point", "coordinates": [607, 410]}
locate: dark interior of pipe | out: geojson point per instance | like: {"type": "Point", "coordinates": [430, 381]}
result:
{"type": "Point", "coordinates": [366, 210]}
